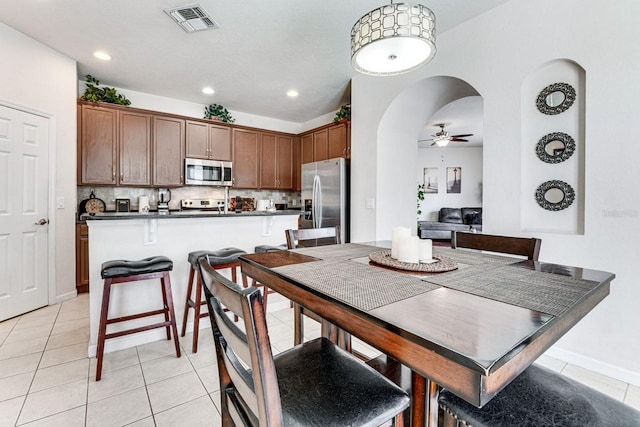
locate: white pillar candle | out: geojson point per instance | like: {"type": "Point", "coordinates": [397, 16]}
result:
{"type": "Point", "coordinates": [426, 249]}
{"type": "Point", "coordinates": [408, 249]}
{"type": "Point", "coordinates": [396, 234]}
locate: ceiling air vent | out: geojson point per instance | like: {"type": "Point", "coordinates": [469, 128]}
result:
{"type": "Point", "coordinates": [192, 18]}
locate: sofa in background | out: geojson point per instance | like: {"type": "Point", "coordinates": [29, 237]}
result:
{"type": "Point", "coordinates": [451, 219]}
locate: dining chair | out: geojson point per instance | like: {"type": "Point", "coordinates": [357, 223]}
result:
{"type": "Point", "coordinates": [309, 237]}
{"type": "Point", "coordinates": [523, 246]}
{"type": "Point", "coordinates": [313, 384]}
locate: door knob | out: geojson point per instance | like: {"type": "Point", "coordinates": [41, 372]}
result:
{"type": "Point", "coordinates": [42, 222]}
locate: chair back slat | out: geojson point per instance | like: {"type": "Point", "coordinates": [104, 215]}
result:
{"type": "Point", "coordinates": [309, 237]}
{"type": "Point", "coordinates": [248, 380]}
{"type": "Point", "coordinates": [523, 246]}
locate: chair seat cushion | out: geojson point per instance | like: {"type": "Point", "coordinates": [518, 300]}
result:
{"type": "Point", "coordinates": [269, 248]}
{"type": "Point", "coordinates": [315, 375]}
{"type": "Point", "coordinates": [124, 268]}
{"type": "Point", "coordinates": [540, 397]}
{"type": "Point", "coordinates": [221, 256]}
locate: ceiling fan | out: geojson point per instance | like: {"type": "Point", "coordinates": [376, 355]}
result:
{"type": "Point", "coordinates": [442, 137]}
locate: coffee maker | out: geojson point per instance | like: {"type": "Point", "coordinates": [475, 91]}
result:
{"type": "Point", "coordinates": [164, 195]}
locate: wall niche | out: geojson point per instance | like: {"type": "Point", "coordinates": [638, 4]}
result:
{"type": "Point", "coordinates": [553, 146]}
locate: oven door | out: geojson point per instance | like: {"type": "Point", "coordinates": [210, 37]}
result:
{"type": "Point", "coordinates": [203, 172]}
{"type": "Point", "coordinates": [227, 174]}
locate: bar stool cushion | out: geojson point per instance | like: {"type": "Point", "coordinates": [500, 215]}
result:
{"type": "Point", "coordinates": [221, 256]}
{"type": "Point", "coordinates": [269, 248]}
{"type": "Point", "coordinates": [125, 268]}
{"type": "Point", "coordinates": [540, 397]}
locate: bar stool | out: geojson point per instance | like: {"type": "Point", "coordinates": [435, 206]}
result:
{"type": "Point", "coordinates": [123, 271]}
{"type": "Point", "coordinates": [220, 259]}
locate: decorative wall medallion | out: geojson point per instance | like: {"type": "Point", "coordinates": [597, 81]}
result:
{"type": "Point", "coordinates": [556, 98]}
{"type": "Point", "coordinates": [555, 147]}
{"type": "Point", "coordinates": [555, 195]}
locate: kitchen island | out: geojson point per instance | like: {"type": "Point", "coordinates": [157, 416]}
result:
{"type": "Point", "coordinates": [133, 236]}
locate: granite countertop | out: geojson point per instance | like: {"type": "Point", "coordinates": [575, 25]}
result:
{"type": "Point", "coordinates": [182, 214]}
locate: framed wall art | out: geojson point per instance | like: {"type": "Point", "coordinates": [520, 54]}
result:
{"type": "Point", "coordinates": [454, 180]}
{"type": "Point", "coordinates": [430, 180]}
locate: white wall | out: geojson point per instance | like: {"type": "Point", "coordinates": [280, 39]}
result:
{"type": "Point", "coordinates": [495, 53]}
{"type": "Point", "coordinates": [40, 79]}
{"type": "Point", "coordinates": [469, 159]}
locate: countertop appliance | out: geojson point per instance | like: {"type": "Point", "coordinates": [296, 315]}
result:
{"type": "Point", "coordinates": [208, 172]}
{"type": "Point", "coordinates": [202, 204]}
{"type": "Point", "coordinates": [164, 196]}
{"type": "Point", "coordinates": [325, 195]}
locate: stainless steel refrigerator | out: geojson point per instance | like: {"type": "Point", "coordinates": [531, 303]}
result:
{"type": "Point", "coordinates": [325, 195]}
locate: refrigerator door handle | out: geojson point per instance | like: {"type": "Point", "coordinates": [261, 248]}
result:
{"type": "Point", "coordinates": [318, 204]}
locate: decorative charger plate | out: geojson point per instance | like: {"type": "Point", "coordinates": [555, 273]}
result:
{"type": "Point", "coordinates": [442, 264]}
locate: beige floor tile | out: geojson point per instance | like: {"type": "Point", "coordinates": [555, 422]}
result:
{"type": "Point", "coordinates": [60, 374]}
{"type": "Point", "coordinates": [115, 382]}
{"type": "Point", "coordinates": [165, 367]}
{"type": "Point", "coordinates": [156, 349]}
{"type": "Point", "coordinates": [215, 398]}
{"type": "Point", "coordinates": [633, 397]}
{"type": "Point", "coordinates": [205, 337]}
{"type": "Point", "coordinates": [53, 401]}
{"type": "Point", "coordinates": [19, 365]}
{"type": "Point", "coordinates": [72, 418]}
{"type": "Point", "coordinates": [8, 325]}
{"type": "Point", "coordinates": [205, 356]}
{"type": "Point", "coordinates": [285, 316]}
{"type": "Point", "coordinates": [76, 336]}
{"type": "Point", "coordinates": [73, 314]}
{"type": "Point", "coordinates": [26, 334]}
{"type": "Point", "coordinates": [63, 355]}
{"type": "Point", "coordinates": [17, 385]}
{"type": "Point", "coordinates": [114, 361]}
{"type": "Point", "coordinates": [35, 321]}
{"type": "Point", "coordinates": [146, 422]}
{"type": "Point", "coordinates": [209, 377]}
{"type": "Point", "coordinates": [22, 348]}
{"type": "Point", "coordinates": [552, 363]}
{"type": "Point", "coordinates": [175, 391]}
{"type": "Point", "coordinates": [119, 410]}
{"type": "Point", "coordinates": [198, 412]}
{"type": "Point", "coordinates": [9, 411]}
{"type": "Point", "coordinates": [606, 385]}
{"type": "Point", "coordinates": [69, 326]}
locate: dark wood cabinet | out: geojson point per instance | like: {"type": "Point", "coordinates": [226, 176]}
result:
{"type": "Point", "coordinates": [276, 162]}
{"type": "Point", "coordinates": [307, 148]}
{"type": "Point", "coordinates": [134, 149]}
{"type": "Point", "coordinates": [168, 151]}
{"type": "Point", "coordinates": [297, 164]}
{"type": "Point", "coordinates": [326, 142]}
{"type": "Point", "coordinates": [207, 141]}
{"type": "Point", "coordinates": [320, 145]}
{"type": "Point", "coordinates": [98, 129]}
{"type": "Point", "coordinates": [82, 258]}
{"type": "Point", "coordinates": [245, 158]}
{"type": "Point", "coordinates": [337, 141]}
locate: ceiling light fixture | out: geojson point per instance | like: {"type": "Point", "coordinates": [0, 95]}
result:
{"type": "Point", "coordinates": [393, 39]}
{"type": "Point", "coordinates": [102, 55]}
{"type": "Point", "coordinates": [292, 93]}
{"type": "Point", "coordinates": [208, 90]}
{"type": "Point", "coordinates": [442, 141]}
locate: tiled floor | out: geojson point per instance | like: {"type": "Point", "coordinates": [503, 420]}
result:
{"type": "Point", "coordinates": [46, 378]}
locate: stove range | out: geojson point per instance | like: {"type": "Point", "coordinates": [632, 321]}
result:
{"type": "Point", "coordinates": [202, 204]}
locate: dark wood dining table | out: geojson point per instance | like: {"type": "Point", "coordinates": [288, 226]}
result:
{"type": "Point", "coordinates": [471, 330]}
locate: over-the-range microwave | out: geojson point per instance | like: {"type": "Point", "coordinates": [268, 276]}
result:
{"type": "Point", "coordinates": [207, 172]}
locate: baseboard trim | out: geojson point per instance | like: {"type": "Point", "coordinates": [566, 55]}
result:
{"type": "Point", "coordinates": [600, 367]}
{"type": "Point", "coordinates": [66, 297]}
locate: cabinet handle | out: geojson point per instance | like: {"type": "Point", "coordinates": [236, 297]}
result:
{"type": "Point", "coordinates": [121, 176]}
{"type": "Point", "coordinates": [113, 175]}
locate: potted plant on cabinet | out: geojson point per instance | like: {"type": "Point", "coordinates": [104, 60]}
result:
{"type": "Point", "coordinates": [343, 114]}
{"type": "Point", "coordinates": [95, 93]}
{"type": "Point", "coordinates": [218, 112]}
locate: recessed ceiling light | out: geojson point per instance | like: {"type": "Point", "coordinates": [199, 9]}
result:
{"type": "Point", "coordinates": [292, 93]}
{"type": "Point", "coordinates": [102, 55]}
{"type": "Point", "coordinates": [208, 90]}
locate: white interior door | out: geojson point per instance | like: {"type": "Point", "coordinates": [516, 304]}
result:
{"type": "Point", "coordinates": [24, 212]}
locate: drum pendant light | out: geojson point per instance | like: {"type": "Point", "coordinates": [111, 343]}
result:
{"type": "Point", "coordinates": [393, 39]}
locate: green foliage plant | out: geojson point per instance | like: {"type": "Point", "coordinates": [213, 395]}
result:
{"type": "Point", "coordinates": [420, 197]}
{"type": "Point", "coordinates": [97, 93]}
{"type": "Point", "coordinates": [217, 110]}
{"type": "Point", "coordinates": [344, 113]}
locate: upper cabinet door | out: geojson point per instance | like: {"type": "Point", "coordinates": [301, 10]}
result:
{"type": "Point", "coordinates": [220, 143]}
{"type": "Point", "coordinates": [307, 148]}
{"type": "Point", "coordinates": [168, 151]}
{"type": "Point", "coordinates": [268, 161]}
{"type": "Point", "coordinates": [320, 145]}
{"type": "Point", "coordinates": [197, 140]}
{"type": "Point", "coordinates": [135, 148]}
{"type": "Point", "coordinates": [98, 144]}
{"type": "Point", "coordinates": [337, 141]}
{"type": "Point", "coordinates": [245, 158]}
{"type": "Point", "coordinates": [284, 154]}
{"type": "Point", "coordinates": [297, 164]}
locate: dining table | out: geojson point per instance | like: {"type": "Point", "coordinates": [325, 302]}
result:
{"type": "Point", "coordinates": [468, 321]}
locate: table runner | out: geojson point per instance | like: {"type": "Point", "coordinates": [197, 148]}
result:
{"type": "Point", "coordinates": [535, 290]}
{"type": "Point", "coordinates": [471, 257]}
{"type": "Point", "coordinates": [359, 285]}
{"type": "Point", "coordinates": [345, 251]}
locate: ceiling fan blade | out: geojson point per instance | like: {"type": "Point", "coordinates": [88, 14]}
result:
{"type": "Point", "coordinates": [462, 135]}
{"type": "Point", "coordinates": [432, 144]}
{"type": "Point", "coordinates": [459, 139]}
